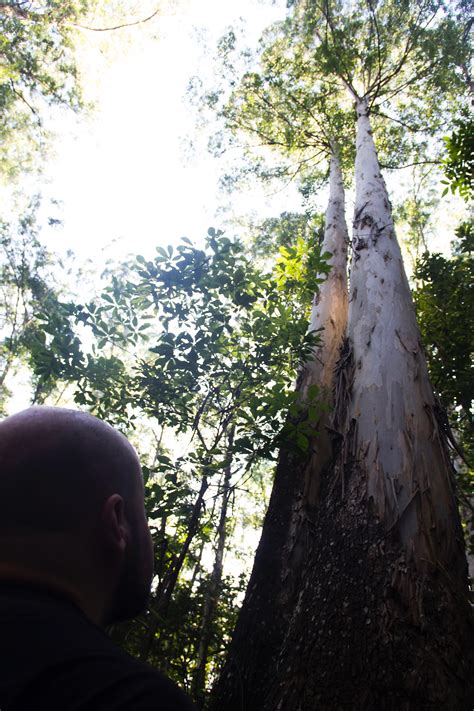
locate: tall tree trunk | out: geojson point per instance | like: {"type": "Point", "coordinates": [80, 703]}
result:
{"type": "Point", "coordinates": [249, 671]}
{"type": "Point", "coordinates": [408, 472]}
{"type": "Point", "coordinates": [212, 594]}
{"type": "Point", "coordinates": [382, 618]}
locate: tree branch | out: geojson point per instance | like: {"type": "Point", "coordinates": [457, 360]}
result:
{"type": "Point", "coordinates": [409, 165]}
{"type": "Point", "coordinates": [22, 98]}
{"type": "Point", "coordinates": [118, 27]}
{"type": "Point", "coordinates": [376, 112]}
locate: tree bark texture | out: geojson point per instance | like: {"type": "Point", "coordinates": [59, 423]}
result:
{"type": "Point", "coordinates": [381, 618]}
{"type": "Point", "coordinates": [250, 669]}
{"type": "Point", "coordinates": [408, 472]}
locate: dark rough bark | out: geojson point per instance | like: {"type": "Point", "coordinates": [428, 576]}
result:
{"type": "Point", "coordinates": [361, 628]}
{"type": "Point", "coordinates": [370, 631]}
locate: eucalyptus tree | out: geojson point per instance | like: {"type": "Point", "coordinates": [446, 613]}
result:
{"type": "Point", "coordinates": [294, 113]}
{"type": "Point", "coordinates": [380, 614]}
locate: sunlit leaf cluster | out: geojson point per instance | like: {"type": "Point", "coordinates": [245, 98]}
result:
{"type": "Point", "coordinates": [37, 68]}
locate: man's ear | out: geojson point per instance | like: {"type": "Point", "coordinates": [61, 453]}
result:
{"type": "Point", "coordinates": [115, 525]}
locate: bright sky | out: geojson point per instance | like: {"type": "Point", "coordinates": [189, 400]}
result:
{"type": "Point", "coordinates": [120, 176]}
{"type": "Point", "coordinates": [123, 174]}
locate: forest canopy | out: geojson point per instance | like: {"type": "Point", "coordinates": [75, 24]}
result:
{"type": "Point", "coordinates": [232, 357]}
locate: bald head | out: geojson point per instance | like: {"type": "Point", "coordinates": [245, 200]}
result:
{"type": "Point", "coordinates": [56, 468]}
{"type": "Point", "coordinates": [72, 510]}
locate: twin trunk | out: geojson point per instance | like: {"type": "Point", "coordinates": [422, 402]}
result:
{"type": "Point", "coordinates": [358, 596]}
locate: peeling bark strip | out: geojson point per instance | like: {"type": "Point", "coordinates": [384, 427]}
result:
{"type": "Point", "coordinates": [249, 674]}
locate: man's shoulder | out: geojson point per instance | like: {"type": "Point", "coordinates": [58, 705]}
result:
{"type": "Point", "coordinates": [111, 681]}
{"type": "Point", "coordinates": [70, 664]}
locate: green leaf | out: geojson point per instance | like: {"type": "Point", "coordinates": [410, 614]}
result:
{"type": "Point", "coordinates": [302, 441]}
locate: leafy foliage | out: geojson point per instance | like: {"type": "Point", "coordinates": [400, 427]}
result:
{"type": "Point", "coordinates": [26, 276]}
{"type": "Point", "coordinates": [37, 67]}
{"type": "Point", "coordinates": [294, 97]}
{"type": "Point", "coordinates": [271, 234]}
{"type": "Point", "coordinates": [445, 303]}
{"type": "Point", "coordinates": [226, 331]}
{"type": "Point", "coordinates": [459, 161]}
{"type": "Point", "coordinates": [284, 110]}
{"type": "Point", "coordinates": [383, 50]}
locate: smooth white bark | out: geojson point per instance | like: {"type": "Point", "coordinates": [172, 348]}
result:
{"type": "Point", "coordinates": [397, 440]}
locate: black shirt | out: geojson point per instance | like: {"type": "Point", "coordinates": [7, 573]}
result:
{"type": "Point", "coordinates": [53, 657]}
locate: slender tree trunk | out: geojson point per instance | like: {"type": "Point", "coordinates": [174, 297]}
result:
{"type": "Point", "coordinates": [6, 367]}
{"type": "Point", "coordinates": [382, 619]}
{"type": "Point", "coordinates": [212, 594]}
{"type": "Point", "coordinates": [163, 598]}
{"type": "Point", "coordinates": [197, 565]}
{"type": "Point", "coordinates": [250, 668]}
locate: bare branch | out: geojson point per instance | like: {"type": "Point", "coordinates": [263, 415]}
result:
{"type": "Point", "coordinates": [410, 43]}
{"type": "Point", "coordinates": [386, 166]}
{"type": "Point", "coordinates": [375, 24]}
{"type": "Point", "coordinates": [119, 27]}
{"type": "Point", "coordinates": [344, 76]}
{"type": "Point", "coordinates": [377, 112]}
